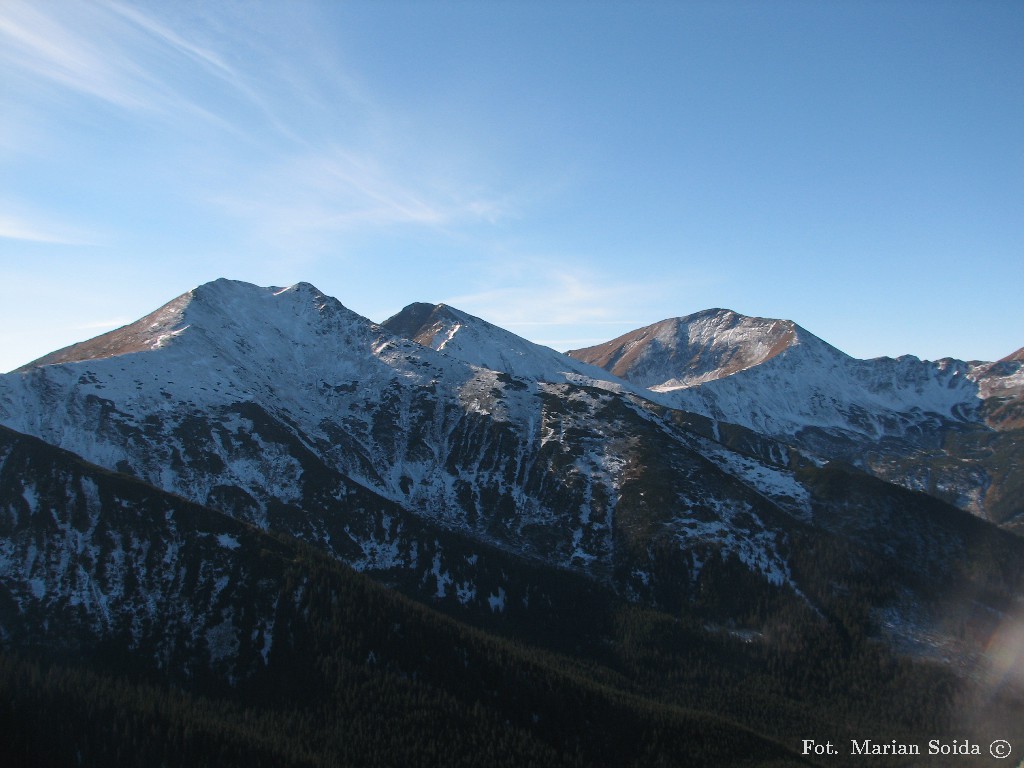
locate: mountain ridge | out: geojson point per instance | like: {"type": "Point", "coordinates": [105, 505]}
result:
{"type": "Point", "coordinates": [717, 343]}
{"type": "Point", "coordinates": [230, 392]}
{"type": "Point", "coordinates": [898, 418]}
{"type": "Point", "coordinates": [888, 416]}
{"type": "Point", "coordinates": [539, 498]}
{"type": "Point", "coordinates": [478, 342]}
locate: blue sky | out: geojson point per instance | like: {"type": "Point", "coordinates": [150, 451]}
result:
{"type": "Point", "coordinates": [568, 170]}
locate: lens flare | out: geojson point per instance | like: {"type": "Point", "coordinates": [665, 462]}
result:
{"type": "Point", "coordinates": [1005, 652]}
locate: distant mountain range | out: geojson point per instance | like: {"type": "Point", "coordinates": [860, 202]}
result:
{"type": "Point", "coordinates": [949, 428]}
{"type": "Point", "coordinates": [735, 474]}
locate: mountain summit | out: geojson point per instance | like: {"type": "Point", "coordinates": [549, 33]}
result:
{"type": "Point", "coordinates": [184, 491]}
{"type": "Point", "coordinates": [284, 409]}
{"type": "Point", "coordinates": [218, 306]}
{"type": "Point", "coordinates": [684, 351]}
{"type": "Point", "coordinates": [900, 419]}
{"type": "Point", "coordinates": [475, 341]}
{"type": "Point", "coordinates": [290, 348]}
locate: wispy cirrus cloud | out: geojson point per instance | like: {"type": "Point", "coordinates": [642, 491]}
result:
{"type": "Point", "coordinates": [53, 50]}
{"type": "Point", "coordinates": [318, 195]}
{"type": "Point", "coordinates": [103, 51]}
{"type": "Point", "coordinates": [212, 63]}
{"type": "Point", "coordinates": [38, 230]}
{"type": "Point", "coordinates": [544, 299]}
{"type": "Point", "coordinates": [133, 61]}
{"type": "Point", "coordinates": [295, 178]}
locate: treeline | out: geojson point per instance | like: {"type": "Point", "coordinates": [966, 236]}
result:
{"type": "Point", "coordinates": [360, 676]}
{"type": "Point", "coordinates": [720, 669]}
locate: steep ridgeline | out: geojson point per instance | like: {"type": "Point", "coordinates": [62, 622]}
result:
{"type": "Point", "coordinates": [87, 554]}
{"type": "Point", "coordinates": [685, 351]}
{"type": "Point", "coordinates": [428, 468]}
{"type": "Point", "coordinates": [179, 499]}
{"type": "Point", "coordinates": [950, 428]}
{"type": "Point", "coordinates": [480, 343]}
{"type": "Point", "coordinates": [475, 341]}
{"type": "Point", "coordinates": [1001, 387]}
{"type": "Point", "coordinates": [286, 410]}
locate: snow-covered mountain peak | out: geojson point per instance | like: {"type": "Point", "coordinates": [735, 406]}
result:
{"type": "Point", "coordinates": [233, 302]}
{"type": "Point", "coordinates": [214, 310]}
{"type": "Point", "coordinates": [423, 323]}
{"type": "Point", "coordinates": [778, 379]}
{"type": "Point", "coordinates": [473, 340]}
{"type": "Point", "coordinates": [303, 357]}
{"type": "Point", "coordinates": [686, 351]}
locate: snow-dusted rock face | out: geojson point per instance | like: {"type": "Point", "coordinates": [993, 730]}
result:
{"type": "Point", "coordinates": [777, 378]}
{"type": "Point", "coordinates": [284, 409]}
{"type": "Point", "coordinates": [811, 386]}
{"type": "Point", "coordinates": [446, 456]}
{"type": "Point", "coordinates": [685, 351]}
{"type": "Point", "coordinates": [480, 343]}
{"type": "Point", "coordinates": [87, 554]}
{"type": "Point", "coordinates": [923, 424]}
{"type": "Point", "coordinates": [1001, 384]}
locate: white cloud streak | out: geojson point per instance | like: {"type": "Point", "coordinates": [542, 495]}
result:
{"type": "Point", "coordinates": [542, 298]}
{"type": "Point", "coordinates": [40, 45]}
{"type": "Point", "coordinates": [93, 51]}
{"type": "Point", "coordinates": [208, 60]}
{"type": "Point", "coordinates": [318, 195]}
{"type": "Point", "coordinates": [34, 230]}
{"type": "Point", "coordinates": [299, 187]}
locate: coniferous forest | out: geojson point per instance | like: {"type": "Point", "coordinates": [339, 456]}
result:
{"type": "Point", "coordinates": [726, 669]}
{"type": "Point", "coordinates": [369, 677]}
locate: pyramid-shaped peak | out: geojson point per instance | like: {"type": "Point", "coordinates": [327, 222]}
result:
{"type": "Point", "coordinates": [413, 319]}
{"type": "Point", "coordinates": [422, 322]}
{"type": "Point", "coordinates": [702, 346]}
{"type": "Point", "coordinates": [219, 308]}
